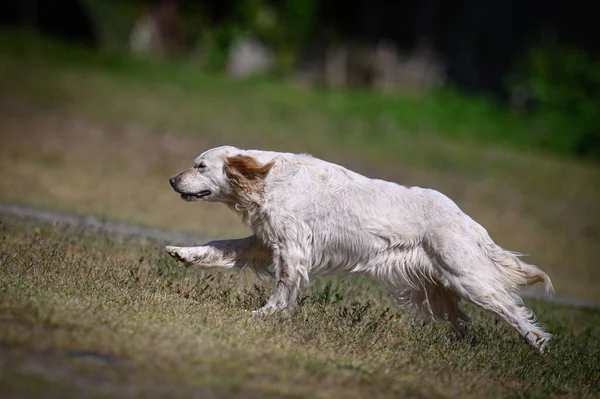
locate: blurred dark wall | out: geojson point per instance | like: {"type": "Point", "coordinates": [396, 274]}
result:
{"type": "Point", "coordinates": [479, 41]}
{"type": "Point", "coordinates": [62, 19]}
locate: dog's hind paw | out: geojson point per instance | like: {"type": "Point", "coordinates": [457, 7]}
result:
{"type": "Point", "coordinates": [539, 339]}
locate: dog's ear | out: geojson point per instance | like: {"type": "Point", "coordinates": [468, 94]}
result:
{"type": "Point", "coordinates": [243, 167]}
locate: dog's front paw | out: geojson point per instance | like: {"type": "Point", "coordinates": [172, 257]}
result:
{"type": "Point", "coordinates": [264, 311]}
{"type": "Point", "coordinates": [173, 251]}
{"type": "Point", "coordinates": [178, 254]}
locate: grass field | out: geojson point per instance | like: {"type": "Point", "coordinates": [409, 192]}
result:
{"type": "Point", "coordinates": [85, 314]}
{"type": "Point", "coordinates": [102, 135]}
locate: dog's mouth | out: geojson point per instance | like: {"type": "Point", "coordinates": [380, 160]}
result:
{"type": "Point", "coordinates": [195, 196]}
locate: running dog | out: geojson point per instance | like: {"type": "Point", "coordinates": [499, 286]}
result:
{"type": "Point", "coordinates": [310, 216]}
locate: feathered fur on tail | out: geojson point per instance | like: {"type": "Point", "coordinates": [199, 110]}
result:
{"type": "Point", "coordinates": [518, 272]}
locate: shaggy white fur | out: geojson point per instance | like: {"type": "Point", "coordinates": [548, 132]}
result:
{"type": "Point", "coordinates": [311, 216]}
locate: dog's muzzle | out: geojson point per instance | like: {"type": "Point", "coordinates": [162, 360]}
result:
{"type": "Point", "coordinates": [186, 195]}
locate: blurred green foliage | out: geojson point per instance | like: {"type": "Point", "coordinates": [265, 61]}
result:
{"type": "Point", "coordinates": [114, 21]}
{"type": "Point", "coordinates": [565, 85]}
{"type": "Point", "coordinates": [563, 82]}
{"type": "Point", "coordinates": [286, 29]}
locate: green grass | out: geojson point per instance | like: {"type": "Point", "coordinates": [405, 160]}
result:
{"type": "Point", "coordinates": [369, 116]}
{"type": "Point", "coordinates": [101, 133]}
{"type": "Point", "coordinates": [86, 314]}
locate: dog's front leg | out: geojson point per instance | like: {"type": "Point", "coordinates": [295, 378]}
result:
{"type": "Point", "coordinates": [286, 289]}
{"type": "Point", "coordinates": [226, 254]}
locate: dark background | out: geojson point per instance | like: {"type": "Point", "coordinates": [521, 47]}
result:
{"type": "Point", "coordinates": [485, 47]}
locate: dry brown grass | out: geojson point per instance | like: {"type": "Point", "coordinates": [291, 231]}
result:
{"type": "Point", "coordinates": [543, 207]}
{"type": "Point", "coordinates": [86, 315]}
{"type": "Point", "coordinates": [82, 315]}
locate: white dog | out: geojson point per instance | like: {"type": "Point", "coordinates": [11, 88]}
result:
{"type": "Point", "coordinates": [310, 216]}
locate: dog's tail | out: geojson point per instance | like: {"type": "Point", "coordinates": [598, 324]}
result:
{"type": "Point", "coordinates": [518, 272]}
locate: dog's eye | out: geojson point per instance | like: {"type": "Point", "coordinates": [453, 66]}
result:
{"type": "Point", "coordinates": [201, 165]}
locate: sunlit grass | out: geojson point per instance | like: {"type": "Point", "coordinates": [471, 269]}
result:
{"type": "Point", "coordinates": [44, 69]}
{"type": "Point", "coordinates": [66, 159]}
{"type": "Point", "coordinates": [84, 313]}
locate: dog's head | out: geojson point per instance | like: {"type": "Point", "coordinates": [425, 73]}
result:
{"type": "Point", "coordinates": [222, 174]}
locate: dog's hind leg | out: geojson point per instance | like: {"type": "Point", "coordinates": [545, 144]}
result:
{"type": "Point", "coordinates": [445, 305]}
{"type": "Point", "coordinates": [442, 305]}
{"type": "Point", "coordinates": [509, 306]}
{"type": "Point", "coordinates": [461, 322]}
{"type": "Point", "coordinates": [474, 276]}
{"type": "Point", "coordinates": [226, 254]}
{"type": "Point", "coordinates": [484, 287]}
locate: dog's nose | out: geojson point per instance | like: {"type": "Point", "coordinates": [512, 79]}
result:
{"type": "Point", "coordinates": [172, 181]}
